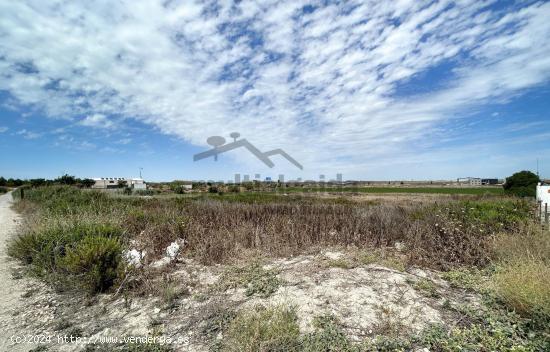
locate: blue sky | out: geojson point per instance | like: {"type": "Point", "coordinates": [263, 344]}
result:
{"type": "Point", "coordinates": [374, 90]}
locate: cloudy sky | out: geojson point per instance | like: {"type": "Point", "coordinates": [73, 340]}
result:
{"type": "Point", "coordinates": [401, 89]}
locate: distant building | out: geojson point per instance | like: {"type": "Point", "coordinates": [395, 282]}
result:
{"type": "Point", "coordinates": [489, 181]}
{"type": "Point", "coordinates": [114, 182]}
{"type": "Point", "coordinates": [471, 181]}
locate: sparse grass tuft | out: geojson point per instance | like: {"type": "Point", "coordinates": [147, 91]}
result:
{"type": "Point", "coordinates": [382, 257]}
{"type": "Point", "coordinates": [465, 278]}
{"type": "Point", "coordinates": [342, 263]}
{"type": "Point", "coordinates": [428, 287]}
{"type": "Point", "coordinates": [254, 278]}
{"type": "Point", "coordinates": [389, 324]}
{"type": "Point", "coordinates": [146, 347]}
{"type": "Point", "coordinates": [263, 329]}
{"type": "Point", "coordinates": [328, 336]}
{"type": "Point", "coordinates": [170, 292]}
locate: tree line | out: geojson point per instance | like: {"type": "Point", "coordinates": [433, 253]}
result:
{"type": "Point", "coordinates": [37, 182]}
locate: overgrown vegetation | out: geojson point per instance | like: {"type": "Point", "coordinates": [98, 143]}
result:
{"type": "Point", "coordinates": [490, 327]}
{"type": "Point", "coordinates": [75, 230]}
{"type": "Point", "coordinates": [75, 239]}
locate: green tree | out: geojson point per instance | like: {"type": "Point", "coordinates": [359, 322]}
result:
{"type": "Point", "coordinates": [14, 182]}
{"type": "Point", "coordinates": [87, 182]}
{"type": "Point", "coordinates": [66, 180]}
{"type": "Point", "coordinates": [3, 181]}
{"type": "Point", "coordinates": [522, 184]}
{"type": "Point", "coordinates": [37, 182]}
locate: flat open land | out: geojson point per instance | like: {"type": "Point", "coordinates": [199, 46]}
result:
{"type": "Point", "coordinates": [245, 271]}
{"type": "Point", "coordinates": [429, 190]}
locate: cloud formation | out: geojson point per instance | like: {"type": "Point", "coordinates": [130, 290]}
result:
{"type": "Point", "coordinates": [325, 81]}
{"type": "Point", "coordinates": [97, 121]}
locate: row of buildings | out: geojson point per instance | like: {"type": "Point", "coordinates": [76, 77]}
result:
{"type": "Point", "coordinates": [119, 182]}
{"type": "Point", "coordinates": [475, 181]}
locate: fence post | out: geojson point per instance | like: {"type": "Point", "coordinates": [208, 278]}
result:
{"type": "Point", "coordinates": [546, 214]}
{"type": "Point", "coordinates": [22, 193]}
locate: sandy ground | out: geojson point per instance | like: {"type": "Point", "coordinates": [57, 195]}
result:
{"type": "Point", "coordinates": [10, 288]}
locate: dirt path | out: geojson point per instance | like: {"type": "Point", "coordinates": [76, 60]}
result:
{"type": "Point", "coordinates": [10, 289]}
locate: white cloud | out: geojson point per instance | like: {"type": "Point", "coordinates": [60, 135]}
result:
{"type": "Point", "coordinates": [124, 141]}
{"type": "Point", "coordinates": [323, 85]}
{"type": "Point", "coordinates": [3, 129]}
{"type": "Point", "coordinates": [97, 120]}
{"type": "Point", "coordinates": [28, 134]}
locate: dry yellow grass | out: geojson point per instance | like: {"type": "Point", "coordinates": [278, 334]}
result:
{"type": "Point", "coordinates": [522, 279]}
{"type": "Point", "coordinates": [525, 286]}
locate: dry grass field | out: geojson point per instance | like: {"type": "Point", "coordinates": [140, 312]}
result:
{"type": "Point", "coordinates": [296, 272]}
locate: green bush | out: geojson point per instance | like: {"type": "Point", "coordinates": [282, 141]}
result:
{"type": "Point", "coordinates": [54, 250]}
{"type": "Point", "coordinates": [522, 184]}
{"type": "Point", "coordinates": [3, 190]}
{"type": "Point", "coordinates": [95, 261]}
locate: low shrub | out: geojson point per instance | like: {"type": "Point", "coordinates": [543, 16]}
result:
{"type": "Point", "coordinates": [77, 250]}
{"type": "Point", "coordinates": [95, 262]}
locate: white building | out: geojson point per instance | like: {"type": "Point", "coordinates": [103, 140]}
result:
{"type": "Point", "coordinates": [114, 182]}
{"type": "Point", "coordinates": [543, 194]}
{"type": "Point", "coordinates": [471, 181]}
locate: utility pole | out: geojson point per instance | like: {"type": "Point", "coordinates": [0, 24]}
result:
{"type": "Point", "coordinates": [538, 167]}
